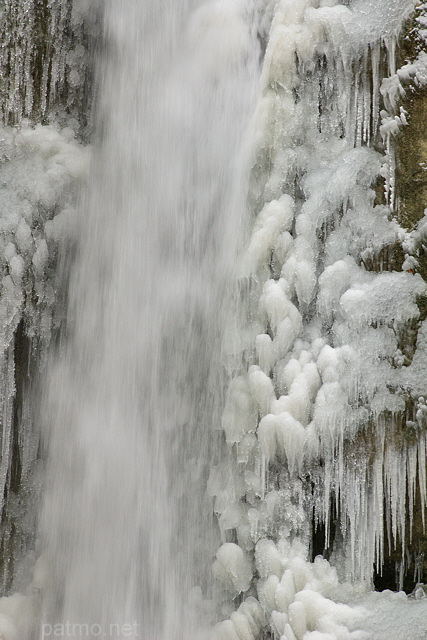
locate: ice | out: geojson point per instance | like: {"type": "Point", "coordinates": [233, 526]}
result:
{"type": "Point", "coordinates": [240, 410]}
{"type": "Point", "coordinates": [264, 348]}
{"type": "Point", "coordinates": [295, 604]}
{"type": "Point", "coordinates": [365, 302]}
{"type": "Point", "coordinates": [297, 618]}
{"type": "Point", "coordinates": [226, 631]}
{"type": "Point", "coordinates": [40, 258]}
{"type": "Point", "coordinates": [267, 559]}
{"type": "Point", "coordinates": [275, 217]}
{"type": "Point", "coordinates": [334, 341]}
{"type": "Point", "coordinates": [49, 58]}
{"type": "Point", "coordinates": [261, 388]}
{"type": "Point", "coordinates": [285, 591]}
{"type": "Point", "coordinates": [40, 171]}
{"type": "Point", "coordinates": [267, 437]}
{"type": "Point", "coordinates": [392, 615]}
{"type": "Point", "coordinates": [233, 567]}
{"type": "Point", "coordinates": [245, 624]}
{"type": "Point", "coordinates": [288, 634]}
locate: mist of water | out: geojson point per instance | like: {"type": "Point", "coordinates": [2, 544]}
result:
{"type": "Point", "coordinates": [137, 387]}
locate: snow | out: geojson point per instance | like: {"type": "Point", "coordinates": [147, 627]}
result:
{"type": "Point", "coordinates": [393, 615]}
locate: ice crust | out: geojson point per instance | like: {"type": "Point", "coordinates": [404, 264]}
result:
{"type": "Point", "coordinates": [46, 61]}
{"type": "Point", "coordinates": [328, 405]}
{"type": "Point", "coordinates": [40, 170]}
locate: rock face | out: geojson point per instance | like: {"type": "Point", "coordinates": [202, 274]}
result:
{"type": "Point", "coordinates": [405, 569]}
{"type": "Point", "coordinates": [411, 143]}
{"type": "Point", "coordinates": [411, 169]}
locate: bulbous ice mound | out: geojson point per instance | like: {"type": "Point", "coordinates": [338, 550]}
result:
{"type": "Point", "coordinates": [327, 377]}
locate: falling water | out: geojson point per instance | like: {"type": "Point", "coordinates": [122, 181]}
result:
{"type": "Point", "coordinates": [133, 397]}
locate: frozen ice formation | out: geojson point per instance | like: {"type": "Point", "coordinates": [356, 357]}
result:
{"type": "Point", "coordinates": [45, 59]}
{"type": "Point", "coordinates": [40, 168]}
{"type": "Point", "coordinates": [324, 420]}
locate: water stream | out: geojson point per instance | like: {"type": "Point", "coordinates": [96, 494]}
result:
{"type": "Point", "coordinates": [127, 526]}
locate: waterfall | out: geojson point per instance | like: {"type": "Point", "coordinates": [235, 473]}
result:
{"type": "Point", "coordinates": [225, 305]}
{"type": "Point", "coordinates": [124, 538]}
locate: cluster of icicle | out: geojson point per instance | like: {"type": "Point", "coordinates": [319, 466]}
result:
{"type": "Point", "coordinates": [328, 407]}
{"type": "Point", "coordinates": [410, 76]}
{"type": "Point", "coordinates": [44, 61]}
{"type": "Point", "coordinates": [40, 169]}
{"type": "Point", "coordinates": [44, 66]}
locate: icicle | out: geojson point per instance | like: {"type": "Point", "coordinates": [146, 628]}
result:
{"type": "Point", "coordinates": [41, 78]}
{"type": "Point", "coordinates": [323, 92]}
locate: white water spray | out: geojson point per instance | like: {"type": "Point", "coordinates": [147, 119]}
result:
{"type": "Point", "coordinates": [135, 394]}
